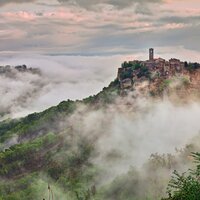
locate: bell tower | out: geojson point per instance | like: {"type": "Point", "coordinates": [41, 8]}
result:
{"type": "Point", "coordinates": [151, 54]}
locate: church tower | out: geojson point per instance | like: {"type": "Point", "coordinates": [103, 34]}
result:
{"type": "Point", "coordinates": [151, 54]}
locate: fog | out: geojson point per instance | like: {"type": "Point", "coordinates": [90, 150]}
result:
{"type": "Point", "coordinates": [135, 131]}
{"type": "Point", "coordinates": [62, 78]}
{"type": "Point", "coordinates": [126, 133]}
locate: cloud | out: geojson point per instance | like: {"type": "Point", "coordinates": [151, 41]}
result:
{"type": "Point", "coordinates": [180, 19]}
{"type": "Point", "coordinates": [86, 3]}
{"type": "Point", "coordinates": [66, 77]}
{"type": "Point", "coordinates": [115, 3]}
{"type": "Point", "coordinates": [4, 2]}
{"type": "Point", "coordinates": [62, 78]}
{"type": "Point", "coordinates": [76, 30]}
{"type": "Point", "coordinates": [128, 131]}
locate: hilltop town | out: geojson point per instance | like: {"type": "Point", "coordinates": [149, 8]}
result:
{"type": "Point", "coordinates": [155, 70]}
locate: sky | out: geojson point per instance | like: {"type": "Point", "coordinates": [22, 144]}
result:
{"type": "Point", "coordinates": [98, 27]}
{"type": "Point", "coordinates": [79, 44]}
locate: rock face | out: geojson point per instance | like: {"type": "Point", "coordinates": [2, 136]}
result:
{"type": "Point", "coordinates": [126, 83]}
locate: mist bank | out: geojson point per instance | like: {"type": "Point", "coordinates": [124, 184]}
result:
{"type": "Point", "coordinates": [136, 128]}
{"type": "Point", "coordinates": [61, 78]}
{"type": "Point", "coordinates": [65, 76]}
{"type": "Point", "coordinates": [138, 142]}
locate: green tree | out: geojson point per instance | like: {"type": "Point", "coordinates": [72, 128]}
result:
{"type": "Point", "coordinates": [185, 186]}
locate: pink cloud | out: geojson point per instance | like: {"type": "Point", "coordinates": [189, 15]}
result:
{"type": "Point", "coordinates": [183, 7]}
{"type": "Point", "coordinates": [174, 26]}
{"type": "Point", "coordinates": [8, 34]}
{"type": "Point", "coordinates": [19, 16]}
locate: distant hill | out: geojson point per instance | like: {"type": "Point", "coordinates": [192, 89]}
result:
{"type": "Point", "coordinates": [19, 86]}
{"type": "Point", "coordinates": [7, 70]}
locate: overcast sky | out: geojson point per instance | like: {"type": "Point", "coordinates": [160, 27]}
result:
{"type": "Point", "coordinates": [79, 44]}
{"type": "Point", "coordinates": [98, 27]}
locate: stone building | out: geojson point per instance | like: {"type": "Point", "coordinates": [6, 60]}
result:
{"type": "Point", "coordinates": [151, 54]}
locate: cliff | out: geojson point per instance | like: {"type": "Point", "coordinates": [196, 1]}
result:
{"type": "Point", "coordinates": [160, 77]}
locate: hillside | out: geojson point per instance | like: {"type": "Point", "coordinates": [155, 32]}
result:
{"type": "Point", "coordinates": [57, 147]}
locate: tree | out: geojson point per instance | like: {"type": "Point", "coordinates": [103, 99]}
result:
{"type": "Point", "coordinates": [185, 186]}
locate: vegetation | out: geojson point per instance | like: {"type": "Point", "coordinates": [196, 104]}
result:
{"type": "Point", "coordinates": [185, 81]}
{"type": "Point", "coordinates": [36, 123]}
{"type": "Point", "coordinates": [185, 186]}
{"type": "Point", "coordinates": [134, 67]}
{"type": "Point", "coordinates": [165, 84]}
{"type": "Point", "coordinates": [192, 66]}
{"type": "Point", "coordinates": [106, 96]}
{"type": "Point", "coordinates": [47, 159]}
